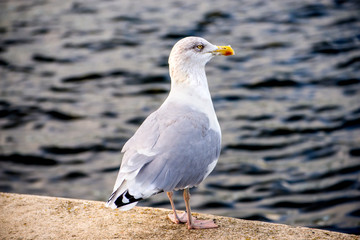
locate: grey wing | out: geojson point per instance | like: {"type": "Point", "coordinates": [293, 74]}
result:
{"type": "Point", "coordinates": [172, 149]}
{"type": "Point", "coordinates": [187, 152]}
{"type": "Point", "coordinates": [137, 150]}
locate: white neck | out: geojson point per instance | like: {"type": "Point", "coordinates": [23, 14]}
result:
{"type": "Point", "coordinates": [191, 88]}
{"type": "Point", "coordinates": [190, 78]}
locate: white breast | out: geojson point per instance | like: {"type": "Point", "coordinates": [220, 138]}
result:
{"type": "Point", "coordinates": [198, 100]}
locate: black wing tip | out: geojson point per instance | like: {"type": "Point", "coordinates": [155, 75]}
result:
{"type": "Point", "coordinates": [124, 199]}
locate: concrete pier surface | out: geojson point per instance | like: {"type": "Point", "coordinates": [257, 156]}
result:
{"type": "Point", "coordinates": [39, 217]}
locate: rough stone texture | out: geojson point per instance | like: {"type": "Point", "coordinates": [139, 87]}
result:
{"type": "Point", "coordinates": [37, 217]}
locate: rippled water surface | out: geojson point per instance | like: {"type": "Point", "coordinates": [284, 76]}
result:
{"type": "Point", "coordinates": [79, 77]}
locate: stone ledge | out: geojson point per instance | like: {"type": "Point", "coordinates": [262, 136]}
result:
{"type": "Point", "coordinates": [37, 217]}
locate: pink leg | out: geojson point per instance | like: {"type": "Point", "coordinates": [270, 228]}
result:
{"type": "Point", "coordinates": [193, 223]}
{"type": "Point", "coordinates": [173, 216]}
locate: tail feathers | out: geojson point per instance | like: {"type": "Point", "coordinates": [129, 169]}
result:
{"type": "Point", "coordinates": [124, 201]}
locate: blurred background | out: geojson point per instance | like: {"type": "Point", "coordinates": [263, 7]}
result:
{"type": "Point", "coordinates": [77, 78]}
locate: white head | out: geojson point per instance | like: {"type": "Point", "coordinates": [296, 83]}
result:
{"type": "Point", "coordinates": [190, 55]}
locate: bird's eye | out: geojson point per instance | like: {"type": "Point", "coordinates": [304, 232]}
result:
{"type": "Point", "coordinates": [200, 46]}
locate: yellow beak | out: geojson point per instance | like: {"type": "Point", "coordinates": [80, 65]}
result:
{"type": "Point", "coordinates": [224, 50]}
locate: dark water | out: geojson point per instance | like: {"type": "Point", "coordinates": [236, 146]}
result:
{"type": "Point", "coordinates": [78, 78]}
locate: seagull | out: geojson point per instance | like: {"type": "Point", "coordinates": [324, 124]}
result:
{"type": "Point", "coordinates": [178, 145]}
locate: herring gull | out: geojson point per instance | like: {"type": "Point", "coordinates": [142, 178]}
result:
{"type": "Point", "coordinates": [178, 145]}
